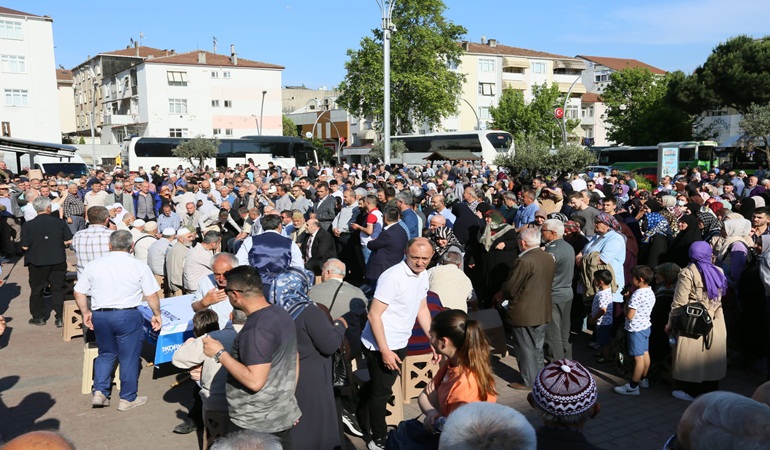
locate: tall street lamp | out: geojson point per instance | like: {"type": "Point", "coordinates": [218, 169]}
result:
{"type": "Point", "coordinates": [386, 8]}
{"type": "Point", "coordinates": [93, 108]}
{"type": "Point", "coordinates": [261, 111]}
{"type": "Point", "coordinates": [564, 118]}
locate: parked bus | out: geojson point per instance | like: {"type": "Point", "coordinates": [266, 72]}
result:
{"type": "Point", "coordinates": [691, 154]}
{"type": "Point", "coordinates": [283, 151]}
{"type": "Point", "coordinates": [485, 143]}
{"type": "Point", "coordinates": [50, 158]}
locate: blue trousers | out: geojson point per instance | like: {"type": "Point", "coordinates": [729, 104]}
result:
{"type": "Point", "coordinates": [119, 338]}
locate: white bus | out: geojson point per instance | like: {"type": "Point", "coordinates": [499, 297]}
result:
{"type": "Point", "coordinates": [283, 151]}
{"type": "Point", "coordinates": [50, 158]}
{"type": "Point", "coordinates": [484, 143]}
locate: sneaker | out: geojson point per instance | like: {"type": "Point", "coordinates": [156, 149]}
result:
{"type": "Point", "coordinates": [351, 424]}
{"type": "Point", "coordinates": [125, 405]}
{"type": "Point", "coordinates": [644, 383]}
{"type": "Point", "coordinates": [38, 322]}
{"type": "Point", "coordinates": [186, 427]}
{"type": "Point", "coordinates": [59, 323]}
{"type": "Point", "coordinates": [626, 389]}
{"type": "Point", "coordinates": [376, 444]}
{"type": "Point", "coordinates": [98, 400]}
{"type": "Point", "coordinates": [682, 395]}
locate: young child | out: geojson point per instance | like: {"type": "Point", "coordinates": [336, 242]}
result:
{"type": "Point", "coordinates": [601, 314]}
{"type": "Point", "coordinates": [638, 327]}
{"type": "Point", "coordinates": [205, 321]}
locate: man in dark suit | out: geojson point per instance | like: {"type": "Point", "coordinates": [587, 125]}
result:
{"type": "Point", "coordinates": [387, 249]}
{"type": "Point", "coordinates": [528, 292]}
{"type": "Point", "coordinates": [318, 246]}
{"type": "Point", "coordinates": [324, 209]}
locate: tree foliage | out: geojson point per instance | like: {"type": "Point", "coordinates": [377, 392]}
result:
{"type": "Point", "coordinates": [640, 110]}
{"type": "Point", "coordinates": [756, 128]}
{"type": "Point", "coordinates": [423, 89]}
{"type": "Point", "coordinates": [736, 74]}
{"type": "Point", "coordinates": [197, 150]}
{"type": "Point", "coordinates": [289, 128]}
{"type": "Point", "coordinates": [515, 116]}
{"type": "Point", "coordinates": [534, 156]}
{"type": "Point", "coordinates": [325, 154]}
{"type": "Point", "coordinates": [396, 149]}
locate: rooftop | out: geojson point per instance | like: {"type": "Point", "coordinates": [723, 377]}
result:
{"type": "Point", "coordinates": [505, 50]}
{"type": "Point", "coordinates": [621, 63]}
{"type": "Point", "coordinates": [144, 52]}
{"type": "Point", "coordinates": [63, 75]}
{"type": "Point", "coordinates": [14, 12]}
{"type": "Point", "coordinates": [591, 98]}
{"type": "Point", "coordinates": [204, 58]}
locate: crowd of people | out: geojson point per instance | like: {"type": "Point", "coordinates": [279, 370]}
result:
{"type": "Point", "coordinates": [286, 266]}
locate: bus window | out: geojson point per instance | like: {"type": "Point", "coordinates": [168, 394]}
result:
{"type": "Point", "coordinates": [500, 141]}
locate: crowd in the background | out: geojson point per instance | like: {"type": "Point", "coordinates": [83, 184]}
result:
{"type": "Point", "coordinates": [396, 261]}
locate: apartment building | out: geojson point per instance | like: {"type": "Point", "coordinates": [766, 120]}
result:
{"type": "Point", "coordinates": [64, 85]}
{"type": "Point", "coordinates": [491, 67]}
{"type": "Point", "coordinates": [28, 77]}
{"type": "Point", "coordinates": [596, 78]}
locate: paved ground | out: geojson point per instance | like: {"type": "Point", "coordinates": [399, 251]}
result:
{"type": "Point", "coordinates": [40, 379]}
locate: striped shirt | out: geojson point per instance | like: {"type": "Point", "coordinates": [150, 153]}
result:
{"type": "Point", "coordinates": [90, 244]}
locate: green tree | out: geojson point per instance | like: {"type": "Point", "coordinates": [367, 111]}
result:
{"type": "Point", "coordinates": [423, 89]}
{"type": "Point", "coordinates": [756, 128]}
{"type": "Point", "coordinates": [325, 154]}
{"type": "Point", "coordinates": [289, 128]}
{"type": "Point", "coordinates": [197, 150]}
{"type": "Point", "coordinates": [640, 110]}
{"type": "Point", "coordinates": [736, 74]}
{"type": "Point", "coordinates": [514, 115]}
{"type": "Point", "coordinates": [534, 156]}
{"type": "Point", "coordinates": [396, 149]}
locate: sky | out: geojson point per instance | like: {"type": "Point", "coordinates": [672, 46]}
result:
{"type": "Point", "coordinates": [310, 38]}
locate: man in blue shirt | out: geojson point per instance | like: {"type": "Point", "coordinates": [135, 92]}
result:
{"type": "Point", "coordinates": [526, 212]}
{"type": "Point", "coordinates": [404, 200]}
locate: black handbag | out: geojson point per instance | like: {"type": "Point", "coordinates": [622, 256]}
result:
{"type": "Point", "coordinates": [340, 368]}
{"type": "Point", "coordinates": [694, 321]}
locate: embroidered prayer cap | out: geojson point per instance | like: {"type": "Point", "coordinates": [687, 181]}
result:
{"type": "Point", "coordinates": [564, 388]}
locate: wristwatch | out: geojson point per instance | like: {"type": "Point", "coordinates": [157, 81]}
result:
{"type": "Point", "coordinates": [218, 354]}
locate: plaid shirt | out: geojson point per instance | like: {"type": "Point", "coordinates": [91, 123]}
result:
{"type": "Point", "coordinates": [73, 206]}
{"type": "Point", "coordinates": [90, 244]}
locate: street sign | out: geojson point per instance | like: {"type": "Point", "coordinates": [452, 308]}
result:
{"type": "Point", "coordinates": [558, 113]}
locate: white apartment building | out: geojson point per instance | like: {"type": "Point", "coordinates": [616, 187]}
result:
{"type": "Point", "coordinates": [64, 84]}
{"type": "Point", "coordinates": [490, 68]}
{"type": "Point", "coordinates": [28, 77]}
{"type": "Point", "coordinates": [191, 94]}
{"type": "Point", "coordinates": [596, 77]}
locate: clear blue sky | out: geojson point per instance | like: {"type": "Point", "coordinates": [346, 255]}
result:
{"type": "Point", "coordinates": [310, 38]}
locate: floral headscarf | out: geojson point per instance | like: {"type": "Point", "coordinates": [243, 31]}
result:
{"type": "Point", "coordinates": [656, 224]}
{"type": "Point", "coordinates": [289, 291]}
{"type": "Point", "coordinates": [711, 225]}
{"type": "Point", "coordinates": [608, 220]}
{"type": "Point", "coordinates": [449, 235]}
{"type": "Point", "coordinates": [497, 221]}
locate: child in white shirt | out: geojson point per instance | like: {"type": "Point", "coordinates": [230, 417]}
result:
{"type": "Point", "coordinates": [638, 326]}
{"type": "Point", "coordinates": [601, 313]}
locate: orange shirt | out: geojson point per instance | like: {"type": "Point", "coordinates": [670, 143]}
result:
{"type": "Point", "coordinates": [455, 387]}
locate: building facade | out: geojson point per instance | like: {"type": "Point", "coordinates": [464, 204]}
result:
{"type": "Point", "coordinates": [28, 77]}
{"type": "Point", "coordinates": [490, 67]}
{"type": "Point", "coordinates": [64, 85]}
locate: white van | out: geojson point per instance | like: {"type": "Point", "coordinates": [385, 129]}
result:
{"type": "Point", "coordinates": [49, 158]}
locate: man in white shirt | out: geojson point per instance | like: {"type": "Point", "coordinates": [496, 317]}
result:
{"type": "Point", "coordinates": [400, 298]}
{"type": "Point", "coordinates": [211, 288]}
{"type": "Point", "coordinates": [96, 197]}
{"type": "Point", "coordinates": [448, 280]}
{"type": "Point", "coordinates": [270, 224]}
{"type": "Point", "coordinates": [197, 263]}
{"type": "Point", "coordinates": [116, 283]}
{"type": "Point", "coordinates": [156, 256]}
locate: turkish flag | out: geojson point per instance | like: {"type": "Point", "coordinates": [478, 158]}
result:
{"type": "Point", "coordinates": [342, 140]}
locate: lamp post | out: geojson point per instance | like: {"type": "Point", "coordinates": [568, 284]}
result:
{"type": "Point", "coordinates": [310, 134]}
{"type": "Point", "coordinates": [91, 115]}
{"type": "Point", "coordinates": [564, 119]}
{"type": "Point", "coordinates": [478, 121]}
{"type": "Point", "coordinates": [386, 8]}
{"type": "Point", "coordinates": [261, 111]}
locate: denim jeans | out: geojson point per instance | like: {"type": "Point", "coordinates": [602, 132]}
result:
{"type": "Point", "coordinates": [119, 338]}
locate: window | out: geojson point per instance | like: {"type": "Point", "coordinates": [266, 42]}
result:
{"type": "Point", "coordinates": [486, 65]}
{"type": "Point", "coordinates": [176, 78]}
{"type": "Point", "coordinates": [602, 78]}
{"type": "Point", "coordinates": [217, 131]}
{"type": "Point", "coordinates": [215, 103]}
{"type": "Point", "coordinates": [214, 74]}
{"type": "Point", "coordinates": [225, 74]}
{"type": "Point", "coordinates": [451, 65]}
{"type": "Point", "coordinates": [538, 67]}
{"type": "Point", "coordinates": [177, 132]}
{"type": "Point", "coordinates": [10, 29]}
{"type": "Point", "coordinates": [487, 89]}
{"type": "Point", "coordinates": [483, 112]}
{"type": "Point", "coordinates": [177, 106]}
{"type": "Point", "coordinates": [16, 97]}
{"type": "Point", "coordinates": [14, 64]}
{"type": "Point", "coordinates": [228, 103]}
{"type": "Point", "coordinates": [228, 131]}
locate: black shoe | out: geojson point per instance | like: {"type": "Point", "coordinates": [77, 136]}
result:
{"type": "Point", "coordinates": [38, 322]}
{"type": "Point", "coordinates": [186, 427]}
{"type": "Point", "coordinates": [46, 292]}
{"type": "Point", "coordinates": [351, 424]}
{"type": "Point", "coordinates": [59, 323]}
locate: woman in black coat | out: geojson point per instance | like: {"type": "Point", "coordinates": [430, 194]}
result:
{"type": "Point", "coordinates": [497, 250]}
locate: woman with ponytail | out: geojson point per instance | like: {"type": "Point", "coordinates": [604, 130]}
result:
{"type": "Point", "coordinates": [465, 376]}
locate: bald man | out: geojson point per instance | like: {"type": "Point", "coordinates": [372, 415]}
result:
{"type": "Point", "coordinates": [40, 440]}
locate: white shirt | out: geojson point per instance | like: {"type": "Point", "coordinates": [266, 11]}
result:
{"type": "Point", "coordinates": [578, 184]}
{"type": "Point", "coordinates": [223, 308]}
{"type": "Point", "coordinates": [243, 252]}
{"type": "Point", "coordinates": [142, 247]}
{"type": "Point", "coordinates": [197, 264]}
{"type": "Point", "coordinates": [116, 280]}
{"type": "Point", "coordinates": [156, 255]}
{"type": "Point", "coordinates": [403, 291]}
{"type": "Point", "coordinates": [642, 300]}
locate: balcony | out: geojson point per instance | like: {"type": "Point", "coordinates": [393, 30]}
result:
{"type": "Point", "coordinates": [119, 119]}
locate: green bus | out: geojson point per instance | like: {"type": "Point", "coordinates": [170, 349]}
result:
{"type": "Point", "coordinates": [691, 154]}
